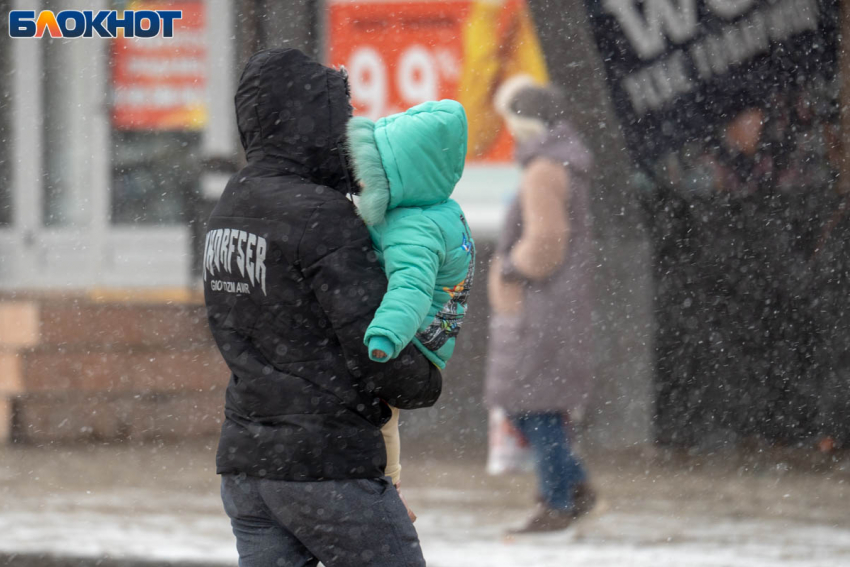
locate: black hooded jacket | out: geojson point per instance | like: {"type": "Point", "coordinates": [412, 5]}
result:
{"type": "Point", "coordinates": [291, 283]}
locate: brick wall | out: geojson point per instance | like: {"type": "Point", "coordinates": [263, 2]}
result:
{"type": "Point", "coordinates": [72, 369]}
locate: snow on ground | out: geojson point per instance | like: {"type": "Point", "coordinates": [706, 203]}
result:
{"type": "Point", "coordinates": [638, 540]}
{"type": "Point", "coordinates": [121, 524]}
{"type": "Point", "coordinates": [165, 506]}
{"type": "Point", "coordinates": [454, 530]}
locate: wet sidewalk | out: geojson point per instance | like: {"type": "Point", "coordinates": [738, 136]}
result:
{"type": "Point", "coordinates": [133, 505]}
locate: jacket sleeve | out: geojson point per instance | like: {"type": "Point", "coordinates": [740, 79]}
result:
{"type": "Point", "coordinates": [545, 226]}
{"type": "Point", "coordinates": [337, 261]}
{"type": "Point", "coordinates": [413, 248]}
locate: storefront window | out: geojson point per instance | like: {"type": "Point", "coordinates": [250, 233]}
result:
{"type": "Point", "coordinates": [5, 118]}
{"type": "Point", "coordinates": [154, 176]}
{"type": "Point", "coordinates": [159, 110]}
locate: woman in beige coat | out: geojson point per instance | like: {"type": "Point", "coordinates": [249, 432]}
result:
{"type": "Point", "coordinates": [539, 366]}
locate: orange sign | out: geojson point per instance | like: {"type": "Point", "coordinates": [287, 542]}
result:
{"type": "Point", "coordinates": [160, 83]}
{"type": "Point", "coordinates": [401, 53]}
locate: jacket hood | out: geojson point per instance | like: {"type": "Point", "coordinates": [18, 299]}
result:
{"type": "Point", "coordinates": [560, 143]}
{"type": "Point", "coordinates": [291, 112]}
{"type": "Point", "coordinates": [411, 159]}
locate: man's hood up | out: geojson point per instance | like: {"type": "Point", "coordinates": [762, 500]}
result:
{"type": "Point", "coordinates": [292, 112]}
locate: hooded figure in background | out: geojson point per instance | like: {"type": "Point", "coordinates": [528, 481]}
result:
{"type": "Point", "coordinates": [291, 284]}
{"type": "Point", "coordinates": [540, 356]}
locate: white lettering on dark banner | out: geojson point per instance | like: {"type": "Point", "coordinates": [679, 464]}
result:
{"type": "Point", "coordinates": [676, 19]}
{"type": "Point", "coordinates": [653, 86]}
{"type": "Point", "coordinates": [225, 247]}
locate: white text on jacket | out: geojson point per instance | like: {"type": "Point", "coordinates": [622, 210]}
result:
{"type": "Point", "coordinates": [224, 245]}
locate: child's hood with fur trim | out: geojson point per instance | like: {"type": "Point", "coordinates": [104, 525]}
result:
{"type": "Point", "coordinates": [412, 159]}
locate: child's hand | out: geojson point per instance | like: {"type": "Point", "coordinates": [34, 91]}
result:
{"type": "Point", "coordinates": [379, 347]}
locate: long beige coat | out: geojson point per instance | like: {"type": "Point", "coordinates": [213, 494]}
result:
{"type": "Point", "coordinates": [540, 356]}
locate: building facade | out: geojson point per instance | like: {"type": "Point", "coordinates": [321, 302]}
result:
{"type": "Point", "coordinates": [98, 187]}
{"type": "Point", "coordinates": [112, 153]}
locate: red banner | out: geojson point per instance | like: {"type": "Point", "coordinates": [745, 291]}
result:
{"type": "Point", "coordinates": [160, 83]}
{"type": "Point", "coordinates": [401, 53]}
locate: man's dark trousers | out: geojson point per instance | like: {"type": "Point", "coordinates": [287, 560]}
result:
{"type": "Point", "coordinates": [342, 523]}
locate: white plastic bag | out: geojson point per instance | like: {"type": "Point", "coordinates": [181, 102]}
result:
{"type": "Point", "coordinates": [509, 452]}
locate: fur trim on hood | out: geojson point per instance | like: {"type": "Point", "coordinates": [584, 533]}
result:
{"type": "Point", "coordinates": [374, 196]}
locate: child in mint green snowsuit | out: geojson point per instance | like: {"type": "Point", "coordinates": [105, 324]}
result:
{"type": "Point", "coordinates": [408, 165]}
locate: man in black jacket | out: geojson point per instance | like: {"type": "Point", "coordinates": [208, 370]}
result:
{"type": "Point", "coordinates": [291, 283]}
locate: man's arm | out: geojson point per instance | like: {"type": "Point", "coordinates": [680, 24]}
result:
{"type": "Point", "coordinates": [337, 260]}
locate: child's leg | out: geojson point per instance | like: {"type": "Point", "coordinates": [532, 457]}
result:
{"type": "Point", "coordinates": [393, 443]}
{"type": "Point", "coordinates": [392, 440]}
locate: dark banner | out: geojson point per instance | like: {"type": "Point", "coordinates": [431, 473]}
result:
{"type": "Point", "coordinates": [679, 70]}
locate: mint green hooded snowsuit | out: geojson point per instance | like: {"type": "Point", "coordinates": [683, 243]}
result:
{"type": "Point", "coordinates": [408, 165]}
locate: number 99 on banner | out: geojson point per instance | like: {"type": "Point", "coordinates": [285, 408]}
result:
{"type": "Point", "coordinates": [413, 78]}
